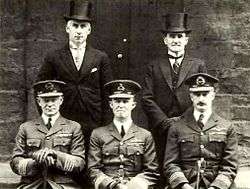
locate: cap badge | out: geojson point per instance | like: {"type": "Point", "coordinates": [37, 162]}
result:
{"type": "Point", "coordinates": [121, 87]}
{"type": "Point", "coordinates": [49, 86]}
{"type": "Point", "coordinates": [200, 80]}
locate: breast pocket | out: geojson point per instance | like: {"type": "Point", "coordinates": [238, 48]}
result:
{"type": "Point", "coordinates": [62, 144]}
{"type": "Point", "coordinates": [135, 154]}
{"type": "Point", "coordinates": [33, 144]}
{"type": "Point", "coordinates": [217, 143]}
{"type": "Point", "coordinates": [109, 153]}
{"type": "Point", "coordinates": [188, 147]}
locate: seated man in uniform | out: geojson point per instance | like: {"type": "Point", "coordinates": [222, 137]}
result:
{"type": "Point", "coordinates": [122, 155]}
{"type": "Point", "coordinates": [201, 151]}
{"type": "Point", "coordinates": [50, 149]}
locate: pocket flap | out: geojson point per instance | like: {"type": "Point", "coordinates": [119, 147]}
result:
{"type": "Point", "coordinates": [188, 138]}
{"type": "Point", "coordinates": [34, 142]}
{"type": "Point", "coordinates": [60, 141]}
{"type": "Point", "coordinates": [216, 137]}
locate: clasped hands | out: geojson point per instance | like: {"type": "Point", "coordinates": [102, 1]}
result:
{"type": "Point", "coordinates": [45, 156]}
{"type": "Point", "coordinates": [48, 157]}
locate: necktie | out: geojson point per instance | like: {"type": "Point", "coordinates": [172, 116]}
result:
{"type": "Point", "coordinates": [122, 132]}
{"type": "Point", "coordinates": [49, 124]}
{"type": "Point", "coordinates": [200, 123]}
{"type": "Point", "coordinates": [78, 59]}
{"type": "Point", "coordinates": [176, 66]}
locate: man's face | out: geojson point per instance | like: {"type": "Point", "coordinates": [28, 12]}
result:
{"type": "Point", "coordinates": [50, 105]}
{"type": "Point", "coordinates": [122, 107]}
{"type": "Point", "coordinates": [78, 31]}
{"type": "Point", "coordinates": [202, 100]}
{"type": "Point", "coordinates": [176, 42]}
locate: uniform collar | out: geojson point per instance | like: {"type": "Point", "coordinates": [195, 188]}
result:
{"type": "Point", "coordinates": [53, 118]}
{"type": "Point", "coordinates": [207, 114]}
{"type": "Point", "coordinates": [126, 125]}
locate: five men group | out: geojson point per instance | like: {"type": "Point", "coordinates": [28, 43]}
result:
{"type": "Point", "coordinates": [195, 148]}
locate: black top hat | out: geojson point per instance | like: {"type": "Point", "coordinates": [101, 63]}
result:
{"type": "Point", "coordinates": [48, 88]}
{"type": "Point", "coordinates": [79, 10]}
{"type": "Point", "coordinates": [201, 82]}
{"type": "Point", "coordinates": [122, 88]}
{"type": "Point", "coordinates": [175, 23]}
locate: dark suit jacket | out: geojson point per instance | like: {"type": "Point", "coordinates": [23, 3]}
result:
{"type": "Point", "coordinates": [83, 94]}
{"type": "Point", "coordinates": [158, 92]}
{"type": "Point", "coordinates": [216, 142]}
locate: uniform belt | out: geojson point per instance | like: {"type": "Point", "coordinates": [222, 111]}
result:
{"type": "Point", "coordinates": [205, 164]}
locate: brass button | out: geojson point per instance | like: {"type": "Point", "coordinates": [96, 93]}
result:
{"type": "Point", "coordinates": [201, 146]}
{"type": "Point", "coordinates": [202, 133]}
{"type": "Point", "coordinates": [121, 166]}
{"type": "Point", "coordinates": [121, 143]}
{"type": "Point", "coordinates": [124, 40]}
{"type": "Point", "coordinates": [202, 171]}
{"type": "Point", "coordinates": [119, 56]}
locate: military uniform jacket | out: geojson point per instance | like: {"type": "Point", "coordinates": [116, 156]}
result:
{"type": "Point", "coordinates": [159, 93]}
{"type": "Point", "coordinates": [112, 158]}
{"type": "Point", "coordinates": [83, 94]}
{"type": "Point", "coordinates": [65, 137]}
{"type": "Point", "coordinates": [216, 143]}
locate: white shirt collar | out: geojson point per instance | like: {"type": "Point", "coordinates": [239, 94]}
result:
{"type": "Point", "coordinates": [126, 125]}
{"type": "Point", "coordinates": [206, 114]}
{"type": "Point", "coordinates": [73, 46]}
{"type": "Point", "coordinates": [53, 118]}
{"type": "Point", "coordinates": [179, 61]}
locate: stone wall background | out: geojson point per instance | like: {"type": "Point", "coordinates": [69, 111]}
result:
{"type": "Point", "coordinates": [221, 36]}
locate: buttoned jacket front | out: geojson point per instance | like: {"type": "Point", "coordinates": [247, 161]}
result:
{"type": "Point", "coordinates": [114, 158]}
{"type": "Point", "coordinates": [65, 137]}
{"type": "Point", "coordinates": [83, 92]}
{"type": "Point", "coordinates": [215, 145]}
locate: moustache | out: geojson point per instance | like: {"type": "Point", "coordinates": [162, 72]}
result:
{"type": "Point", "coordinates": [201, 104]}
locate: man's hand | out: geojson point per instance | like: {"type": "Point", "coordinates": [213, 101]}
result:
{"type": "Point", "coordinates": [69, 164]}
{"type": "Point", "coordinates": [121, 186]}
{"type": "Point", "coordinates": [44, 156]}
{"type": "Point", "coordinates": [186, 186]}
{"type": "Point", "coordinates": [211, 187]}
{"type": "Point", "coordinates": [169, 121]}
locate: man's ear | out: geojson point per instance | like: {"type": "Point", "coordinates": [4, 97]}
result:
{"type": "Point", "coordinates": [110, 104]}
{"type": "Point", "coordinates": [38, 100]}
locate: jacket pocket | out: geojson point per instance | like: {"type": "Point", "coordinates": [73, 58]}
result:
{"type": "Point", "coordinates": [62, 144]}
{"type": "Point", "coordinates": [188, 146]}
{"type": "Point", "coordinates": [34, 142]}
{"type": "Point", "coordinates": [135, 154]}
{"type": "Point", "coordinates": [217, 143]}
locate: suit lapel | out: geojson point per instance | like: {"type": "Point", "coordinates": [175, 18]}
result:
{"type": "Point", "coordinates": [60, 122]}
{"type": "Point", "coordinates": [41, 126]}
{"type": "Point", "coordinates": [130, 134]}
{"type": "Point", "coordinates": [68, 62]}
{"type": "Point", "coordinates": [191, 123]}
{"type": "Point", "coordinates": [212, 122]}
{"type": "Point", "coordinates": [87, 63]}
{"type": "Point", "coordinates": [165, 68]}
{"type": "Point", "coordinates": [114, 132]}
{"type": "Point", "coordinates": [185, 67]}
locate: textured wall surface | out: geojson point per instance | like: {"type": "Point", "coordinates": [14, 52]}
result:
{"type": "Point", "coordinates": [221, 36]}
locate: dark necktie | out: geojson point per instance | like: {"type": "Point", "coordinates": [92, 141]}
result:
{"type": "Point", "coordinates": [122, 132]}
{"type": "Point", "coordinates": [49, 123]}
{"type": "Point", "coordinates": [199, 122]}
{"type": "Point", "coordinates": [176, 66]}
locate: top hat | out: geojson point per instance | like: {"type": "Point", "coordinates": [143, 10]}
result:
{"type": "Point", "coordinates": [175, 23]}
{"type": "Point", "coordinates": [79, 10]}
{"type": "Point", "coordinates": [201, 82]}
{"type": "Point", "coordinates": [49, 88]}
{"type": "Point", "coordinates": [122, 88]}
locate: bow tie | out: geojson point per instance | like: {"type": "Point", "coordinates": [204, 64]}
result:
{"type": "Point", "coordinates": [174, 57]}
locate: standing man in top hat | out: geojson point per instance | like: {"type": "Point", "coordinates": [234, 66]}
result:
{"type": "Point", "coordinates": [201, 151]}
{"type": "Point", "coordinates": [165, 97]}
{"type": "Point", "coordinates": [121, 154]}
{"type": "Point", "coordinates": [84, 69]}
{"type": "Point", "coordinates": [49, 150]}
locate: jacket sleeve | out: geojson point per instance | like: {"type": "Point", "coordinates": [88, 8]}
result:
{"type": "Point", "coordinates": [106, 76]}
{"type": "Point", "coordinates": [148, 102]}
{"type": "Point", "coordinates": [77, 152]}
{"type": "Point", "coordinates": [171, 166]}
{"type": "Point", "coordinates": [149, 174]}
{"type": "Point", "coordinates": [95, 165]}
{"type": "Point", "coordinates": [21, 163]}
{"type": "Point", "coordinates": [229, 163]}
